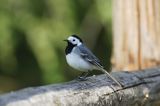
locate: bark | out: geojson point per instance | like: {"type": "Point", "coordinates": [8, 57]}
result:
{"type": "Point", "coordinates": [136, 28]}
{"type": "Point", "coordinates": [141, 88]}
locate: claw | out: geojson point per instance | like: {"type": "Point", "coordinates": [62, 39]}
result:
{"type": "Point", "coordinates": [82, 78]}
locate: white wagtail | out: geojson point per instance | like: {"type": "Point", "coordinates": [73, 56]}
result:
{"type": "Point", "coordinates": [81, 58]}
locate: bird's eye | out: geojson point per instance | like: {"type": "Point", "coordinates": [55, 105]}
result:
{"type": "Point", "coordinates": [73, 40]}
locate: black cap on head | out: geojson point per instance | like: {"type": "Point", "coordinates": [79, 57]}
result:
{"type": "Point", "coordinates": [77, 37]}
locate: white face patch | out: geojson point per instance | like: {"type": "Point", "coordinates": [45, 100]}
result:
{"type": "Point", "coordinates": [74, 40]}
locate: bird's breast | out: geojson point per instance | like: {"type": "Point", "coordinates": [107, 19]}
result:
{"type": "Point", "coordinates": [77, 62]}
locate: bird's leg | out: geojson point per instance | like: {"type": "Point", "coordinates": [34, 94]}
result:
{"type": "Point", "coordinates": [80, 76]}
{"type": "Point", "coordinates": [83, 76]}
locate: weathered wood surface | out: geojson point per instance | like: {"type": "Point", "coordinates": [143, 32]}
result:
{"type": "Point", "coordinates": [141, 88]}
{"type": "Point", "coordinates": [136, 34]}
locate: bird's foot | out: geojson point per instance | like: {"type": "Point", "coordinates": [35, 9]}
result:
{"type": "Point", "coordinates": [80, 78]}
{"type": "Point", "coordinates": [83, 76]}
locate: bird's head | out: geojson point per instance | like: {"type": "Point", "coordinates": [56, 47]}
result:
{"type": "Point", "coordinates": [74, 40]}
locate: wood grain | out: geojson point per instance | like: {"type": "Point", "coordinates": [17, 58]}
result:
{"type": "Point", "coordinates": [136, 34]}
{"type": "Point", "coordinates": [141, 88]}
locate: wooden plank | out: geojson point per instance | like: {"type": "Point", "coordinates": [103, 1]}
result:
{"type": "Point", "coordinates": [141, 88]}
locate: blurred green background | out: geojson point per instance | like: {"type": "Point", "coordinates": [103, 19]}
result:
{"type": "Point", "coordinates": [32, 34]}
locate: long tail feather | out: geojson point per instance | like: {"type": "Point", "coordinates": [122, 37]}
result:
{"type": "Point", "coordinates": [104, 71]}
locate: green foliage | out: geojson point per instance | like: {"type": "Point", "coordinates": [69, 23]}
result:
{"type": "Point", "coordinates": [31, 34]}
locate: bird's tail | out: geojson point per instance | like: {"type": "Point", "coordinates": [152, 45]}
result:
{"type": "Point", "coordinates": [104, 71]}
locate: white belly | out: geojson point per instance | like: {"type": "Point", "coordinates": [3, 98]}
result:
{"type": "Point", "coordinates": [78, 63]}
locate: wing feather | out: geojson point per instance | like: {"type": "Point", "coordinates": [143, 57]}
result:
{"type": "Point", "coordinates": [89, 56]}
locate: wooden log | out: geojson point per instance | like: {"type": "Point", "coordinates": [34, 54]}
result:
{"type": "Point", "coordinates": [136, 30]}
{"type": "Point", "coordinates": [141, 88]}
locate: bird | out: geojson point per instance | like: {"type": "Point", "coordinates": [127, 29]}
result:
{"type": "Point", "coordinates": [79, 57]}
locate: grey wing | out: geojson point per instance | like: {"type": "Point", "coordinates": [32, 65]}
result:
{"type": "Point", "coordinates": [89, 56]}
